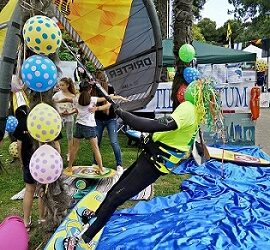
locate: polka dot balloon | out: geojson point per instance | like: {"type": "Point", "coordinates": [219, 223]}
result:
{"type": "Point", "coordinates": [13, 149]}
{"type": "Point", "coordinates": [44, 123]}
{"type": "Point", "coordinates": [46, 164]}
{"type": "Point", "coordinates": [42, 35]}
{"type": "Point", "coordinates": [261, 65]}
{"type": "Point", "coordinates": [39, 73]}
{"type": "Point", "coordinates": [11, 124]}
{"type": "Point", "coordinates": [191, 74]}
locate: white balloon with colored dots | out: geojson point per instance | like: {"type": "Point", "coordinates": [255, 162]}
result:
{"type": "Point", "coordinates": [46, 164]}
{"type": "Point", "coordinates": [39, 73]}
{"type": "Point", "coordinates": [44, 123]}
{"type": "Point", "coordinates": [42, 35]}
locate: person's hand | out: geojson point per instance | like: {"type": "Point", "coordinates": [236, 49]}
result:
{"type": "Point", "coordinates": [93, 109]}
{"type": "Point", "coordinates": [124, 99]}
{"type": "Point", "coordinates": [65, 113]}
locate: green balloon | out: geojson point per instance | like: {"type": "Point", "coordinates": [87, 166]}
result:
{"type": "Point", "coordinates": [186, 53]}
{"type": "Point", "coordinates": [191, 92]}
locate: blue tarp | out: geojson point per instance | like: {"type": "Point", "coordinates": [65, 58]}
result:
{"type": "Point", "coordinates": [220, 207]}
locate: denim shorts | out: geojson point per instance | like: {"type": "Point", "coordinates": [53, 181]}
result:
{"type": "Point", "coordinates": [84, 132]}
{"type": "Point", "coordinates": [69, 129]}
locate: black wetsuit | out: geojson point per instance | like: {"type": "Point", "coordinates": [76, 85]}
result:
{"type": "Point", "coordinates": [138, 176]}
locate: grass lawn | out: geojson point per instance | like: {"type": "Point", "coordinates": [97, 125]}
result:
{"type": "Point", "coordinates": [11, 180]}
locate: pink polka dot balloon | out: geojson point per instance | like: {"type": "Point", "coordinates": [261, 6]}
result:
{"type": "Point", "coordinates": [46, 164]}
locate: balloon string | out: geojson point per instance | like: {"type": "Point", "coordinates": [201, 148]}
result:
{"type": "Point", "coordinates": [46, 188]}
{"type": "Point", "coordinates": [40, 96]}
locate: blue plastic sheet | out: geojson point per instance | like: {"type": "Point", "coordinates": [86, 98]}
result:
{"type": "Point", "coordinates": [219, 207]}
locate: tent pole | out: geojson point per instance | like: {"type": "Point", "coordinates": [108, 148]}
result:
{"type": "Point", "coordinates": [7, 62]}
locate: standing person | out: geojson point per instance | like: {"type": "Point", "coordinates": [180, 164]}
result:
{"type": "Point", "coordinates": [66, 109]}
{"type": "Point", "coordinates": [107, 119]}
{"type": "Point", "coordinates": [170, 142]}
{"type": "Point", "coordinates": [86, 124]}
{"type": "Point", "coordinates": [25, 149]}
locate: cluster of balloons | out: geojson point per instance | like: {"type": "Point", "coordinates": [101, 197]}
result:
{"type": "Point", "coordinates": [42, 36]}
{"type": "Point", "coordinates": [187, 54]}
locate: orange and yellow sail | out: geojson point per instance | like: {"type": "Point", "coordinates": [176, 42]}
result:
{"type": "Point", "coordinates": [100, 24]}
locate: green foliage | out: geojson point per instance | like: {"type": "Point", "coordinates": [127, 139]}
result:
{"type": "Point", "coordinates": [197, 7]}
{"type": "Point", "coordinates": [197, 34]}
{"type": "Point", "coordinates": [250, 8]}
{"type": "Point", "coordinates": [258, 28]}
{"type": "Point", "coordinates": [208, 29]}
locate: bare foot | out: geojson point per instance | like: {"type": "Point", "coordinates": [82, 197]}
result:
{"type": "Point", "coordinates": [69, 170]}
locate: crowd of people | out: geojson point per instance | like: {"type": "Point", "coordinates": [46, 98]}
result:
{"type": "Point", "coordinates": [83, 111]}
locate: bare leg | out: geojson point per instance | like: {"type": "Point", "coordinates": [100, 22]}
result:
{"type": "Point", "coordinates": [57, 146]}
{"type": "Point", "coordinates": [28, 202]}
{"type": "Point", "coordinates": [73, 153]}
{"type": "Point", "coordinates": [41, 209]}
{"type": "Point", "coordinates": [70, 147]}
{"type": "Point", "coordinates": [95, 148]}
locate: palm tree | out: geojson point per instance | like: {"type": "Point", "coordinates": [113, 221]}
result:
{"type": "Point", "coordinates": [182, 28]}
{"type": "Point", "coordinates": [162, 11]}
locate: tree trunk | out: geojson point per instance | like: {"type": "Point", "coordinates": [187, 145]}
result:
{"type": "Point", "coordinates": [182, 28]}
{"type": "Point", "coordinates": [161, 8]}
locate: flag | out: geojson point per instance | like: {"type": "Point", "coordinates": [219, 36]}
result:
{"type": "Point", "coordinates": [229, 34]}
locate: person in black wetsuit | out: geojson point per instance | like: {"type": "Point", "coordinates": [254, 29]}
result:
{"type": "Point", "coordinates": [170, 142]}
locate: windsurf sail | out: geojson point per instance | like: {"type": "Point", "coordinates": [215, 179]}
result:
{"type": "Point", "coordinates": [120, 37]}
{"type": "Point", "coordinates": [10, 21]}
{"type": "Point", "coordinates": [5, 16]}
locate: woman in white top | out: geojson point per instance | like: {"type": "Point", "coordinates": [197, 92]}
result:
{"type": "Point", "coordinates": [85, 127]}
{"type": "Point", "coordinates": [66, 109]}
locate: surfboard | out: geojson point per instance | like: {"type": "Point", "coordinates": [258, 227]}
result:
{"type": "Point", "coordinates": [72, 224]}
{"type": "Point", "coordinates": [239, 158]}
{"type": "Point", "coordinates": [201, 153]}
{"type": "Point", "coordinates": [90, 172]}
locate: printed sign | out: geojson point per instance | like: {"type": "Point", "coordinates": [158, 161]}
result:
{"type": "Point", "coordinates": [239, 130]}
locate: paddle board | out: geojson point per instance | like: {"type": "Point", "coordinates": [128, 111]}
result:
{"type": "Point", "coordinates": [239, 158]}
{"type": "Point", "coordinates": [72, 224]}
{"type": "Point", "coordinates": [90, 172]}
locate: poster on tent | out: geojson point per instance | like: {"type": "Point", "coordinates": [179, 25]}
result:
{"type": "Point", "coordinates": [235, 97]}
{"type": "Point", "coordinates": [222, 73]}
{"type": "Point", "coordinates": [239, 129]}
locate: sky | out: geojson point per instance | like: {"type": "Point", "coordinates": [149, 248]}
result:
{"type": "Point", "coordinates": [216, 10]}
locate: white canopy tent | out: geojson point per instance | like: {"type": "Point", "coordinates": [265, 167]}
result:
{"type": "Point", "coordinates": [253, 49]}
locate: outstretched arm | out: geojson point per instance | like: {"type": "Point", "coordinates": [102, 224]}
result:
{"type": "Point", "coordinates": [145, 124]}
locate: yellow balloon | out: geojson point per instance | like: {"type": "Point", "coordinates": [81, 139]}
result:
{"type": "Point", "coordinates": [13, 149]}
{"type": "Point", "coordinates": [42, 35]}
{"type": "Point", "coordinates": [44, 123]}
{"type": "Point", "coordinates": [261, 65]}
